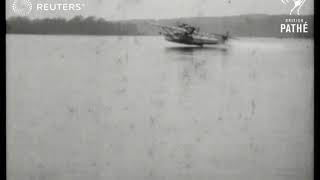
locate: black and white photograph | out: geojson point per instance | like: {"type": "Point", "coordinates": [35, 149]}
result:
{"type": "Point", "coordinates": [159, 89]}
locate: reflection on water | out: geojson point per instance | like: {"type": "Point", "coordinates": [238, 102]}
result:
{"type": "Point", "coordinates": [194, 65]}
{"type": "Point", "coordinates": [187, 49]}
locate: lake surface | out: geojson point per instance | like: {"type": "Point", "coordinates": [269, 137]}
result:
{"type": "Point", "coordinates": [133, 108]}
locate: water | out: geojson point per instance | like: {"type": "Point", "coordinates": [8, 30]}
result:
{"type": "Point", "coordinates": [142, 108]}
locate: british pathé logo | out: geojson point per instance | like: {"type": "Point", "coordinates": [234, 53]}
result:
{"type": "Point", "coordinates": [294, 26]}
{"type": "Point", "coordinates": [297, 5]}
{"type": "Point", "coordinates": [21, 7]}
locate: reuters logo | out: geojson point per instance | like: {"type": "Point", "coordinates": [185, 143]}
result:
{"type": "Point", "coordinates": [22, 7]}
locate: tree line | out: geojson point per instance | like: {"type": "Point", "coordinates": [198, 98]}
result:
{"type": "Point", "coordinates": [76, 25]}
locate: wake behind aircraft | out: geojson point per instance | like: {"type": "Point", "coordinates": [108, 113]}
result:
{"type": "Point", "coordinates": [187, 34]}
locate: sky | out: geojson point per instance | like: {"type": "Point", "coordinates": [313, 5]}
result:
{"type": "Point", "coordinates": [162, 9]}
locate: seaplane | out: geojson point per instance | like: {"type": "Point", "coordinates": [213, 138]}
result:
{"type": "Point", "coordinates": [186, 34]}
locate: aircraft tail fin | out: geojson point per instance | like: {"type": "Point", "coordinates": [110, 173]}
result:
{"type": "Point", "coordinates": [226, 36]}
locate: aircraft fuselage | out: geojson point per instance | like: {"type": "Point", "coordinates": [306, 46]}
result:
{"type": "Point", "coordinates": [190, 39]}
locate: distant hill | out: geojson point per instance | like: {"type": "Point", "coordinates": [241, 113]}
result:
{"type": "Point", "coordinates": [77, 25]}
{"type": "Point", "coordinates": [257, 25]}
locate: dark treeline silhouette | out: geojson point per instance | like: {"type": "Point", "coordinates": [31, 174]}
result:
{"type": "Point", "coordinates": [77, 25]}
{"type": "Point", "coordinates": [254, 25]}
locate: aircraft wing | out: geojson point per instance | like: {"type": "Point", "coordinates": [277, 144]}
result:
{"type": "Point", "coordinates": [169, 28]}
{"type": "Point", "coordinates": [223, 35]}
{"type": "Point", "coordinates": [175, 28]}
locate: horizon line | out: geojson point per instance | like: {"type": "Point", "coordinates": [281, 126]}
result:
{"type": "Point", "coordinates": [157, 19]}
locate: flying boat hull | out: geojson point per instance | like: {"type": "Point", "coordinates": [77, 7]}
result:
{"type": "Point", "coordinates": [183, 36]}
